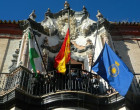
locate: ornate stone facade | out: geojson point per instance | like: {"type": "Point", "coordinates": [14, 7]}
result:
{"type": "Point", "coordinates": [87, 38]}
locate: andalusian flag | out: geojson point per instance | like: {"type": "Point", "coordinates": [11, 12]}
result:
{"type": "Point", "coordinates": [63, 56]}
{"type": "Point", "coordinates": [32, 53]}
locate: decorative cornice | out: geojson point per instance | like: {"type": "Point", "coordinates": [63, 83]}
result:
{"type": "Point", "coordinates": [124, 28]}
{"type": "Point", "coordinates": [24, 24]}
{"type": "Point", "coordinates": [9, 22]}
{"type": "Point", "coordinates": [65, 10]}
{"type": "Point", "coordinates": [8, 27]}
{"type": "Point", "coordinates": [126, 23]}
{"type": "Point", "coordinates": [9, 37]}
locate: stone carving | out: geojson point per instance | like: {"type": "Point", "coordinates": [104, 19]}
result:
{"type": "Point", "coordinates": [14, 60]}
{"type": "Point", "coordinates": [84, 9]}
{"type": "Point", "coordinates": [49, 25]}
{"type": "Point", "coordinates": [45, 41]}
{"type": "Point", "coordinates": [62, 24]}
{"type": "Point", "coordinates": [76, 48]}
{"type": "Point", "coordinates": [89, 42]}
{"type": "Point", "coordinates": [47, 13]}
{"type": "Point", "coordinates": [105, 37]}
{"type": "Point", "coordinates": [45, 58]}
{"type": "Point", "coordinates": [78, 58]}
{"type": "Point", "coordinates": [53, 49]}
{"type": "Point", "coordinates": [78, 22]}
{"type": "Point", "coordinates": [90, 55]}
{"type": "Point", "coordinates": [66, 5]}
{"type": "Point", "coordinates": [99, 15]}
{"type": "Point", "coordinates": [86, 27]}
{"type": "Point", "coordinates": [32, 15]}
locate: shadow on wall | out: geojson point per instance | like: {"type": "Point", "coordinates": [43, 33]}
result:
{"type": "Point", "coordinates": [123, 50]}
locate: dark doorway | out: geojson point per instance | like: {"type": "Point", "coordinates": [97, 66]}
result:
{"type": "Point", "coordinates": [74, 66]}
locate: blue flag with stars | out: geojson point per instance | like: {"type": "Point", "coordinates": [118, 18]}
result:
{"type": "Point", "coordinates": [112, 69]}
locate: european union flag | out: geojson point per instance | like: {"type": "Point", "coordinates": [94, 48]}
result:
{"type": "Point", "coordinates": [111, 68]}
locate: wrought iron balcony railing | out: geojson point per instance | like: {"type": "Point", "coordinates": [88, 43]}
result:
{"type": "Point", "coordinates": [79, 80]}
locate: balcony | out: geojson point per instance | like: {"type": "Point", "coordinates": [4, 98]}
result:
{"type": "Point", "coordinates": [53, 90]}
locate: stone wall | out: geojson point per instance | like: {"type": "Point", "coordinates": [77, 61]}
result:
{"type": "Point", "coordinates": [10, 46]}
{"type": "Point", "coordinates": [3, 48]}
{"type": "Point", "coordinates": [129, 51]}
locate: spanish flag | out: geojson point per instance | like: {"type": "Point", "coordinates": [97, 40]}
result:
{"type": "Point", "coordinates": [63, 56]}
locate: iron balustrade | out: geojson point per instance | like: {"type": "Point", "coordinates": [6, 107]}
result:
{"type": "Point", "coordinates": [53, 82]}
{"type": "Point", "coordinates": [78, 80]}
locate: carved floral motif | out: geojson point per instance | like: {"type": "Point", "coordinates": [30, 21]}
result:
{"type": "Point", "coordinates": [62, 25]}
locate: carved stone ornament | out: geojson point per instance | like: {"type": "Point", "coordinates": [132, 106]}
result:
{"type": "Point", "coordinates": [86, 27]}
{"type": "Point", "coordinates": [49, 26]}
{"type": "Point", "coordinates": [99, 15]}
{"type": "Point", "coordinates": [32, 15]}
{"type": "Point", "coordinates": [80, 49]}
{"type": "Point", "coordinates": [53, 49]}
{"type": "Point", "coordinates": [105, 37]}
{"type": "Point", "coordinates": [14, 61]}
{"type": "Point", "coordinates": [62, 25]}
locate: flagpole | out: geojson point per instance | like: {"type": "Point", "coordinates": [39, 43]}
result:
{"type": "Point", "coordinates": [94, 46]}
{"type": "Point", "coordinates": [69, 47]}
{"type": "Point", "coordinates": [38, 47]}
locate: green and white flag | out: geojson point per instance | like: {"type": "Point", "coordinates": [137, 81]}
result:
{"type": "Point", "coordinates": [32, 53]}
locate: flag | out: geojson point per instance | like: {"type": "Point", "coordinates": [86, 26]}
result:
{"type": "Point", "coordinates": [63, 56]}
{"type": "Point", "coordinates": [32, 53]}
{"type": "Point", "coordinates": [112, 69]}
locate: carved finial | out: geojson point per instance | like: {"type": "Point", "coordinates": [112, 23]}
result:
{"type": "Point", "coordinates": [84, 8]}
{"type": "Point", "coordinates": [32, 15]}
{"type": "Point", "coordinates": [48, 11]}
{"type": "Point", "coordinates": [99, 15]}
{"type": "Point", "coordinates": [66, 5]}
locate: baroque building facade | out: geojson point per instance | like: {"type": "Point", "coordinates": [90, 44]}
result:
{"type": "Point", "coordinates": [19, 89]}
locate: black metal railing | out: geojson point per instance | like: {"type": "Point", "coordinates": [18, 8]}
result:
{"type": "Point", "coordinates": [76, 80]}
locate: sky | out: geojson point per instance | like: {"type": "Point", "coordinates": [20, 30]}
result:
{"type": "Point", "coordinates": [112, 10]}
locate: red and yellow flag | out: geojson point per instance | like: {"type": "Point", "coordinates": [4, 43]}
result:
{"type": "Point", "coordinates": [63, 56]}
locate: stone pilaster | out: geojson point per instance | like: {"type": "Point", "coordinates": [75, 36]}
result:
{"type": "Point", "coordinates": [23, 54]}
{"type": "Point", "coordinates": [3, 50]}
{"type": "Point", "coordinates": [106, 37]}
